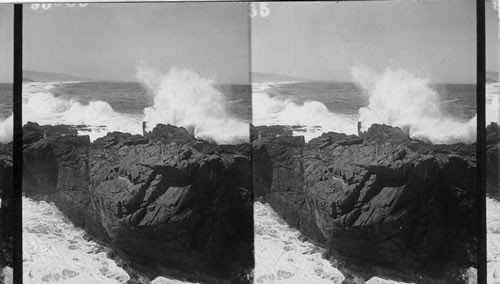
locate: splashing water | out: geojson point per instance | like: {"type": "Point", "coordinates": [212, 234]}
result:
{"type": "Point", "coordinates": [183, 98]}
{"type": "Point", "coordinates": [43, 107]}
{"type": "Point", "coordinates": [55, 251]}
{"type": "Point", "coordinates": [281, 257]}
{"type": "Point", "coordinates": [313, 116]}
{"type": "Point", "coordinates": [399, 98]}
{"type": "Point", "coordinates": [492, 103]}
{"type": "Point", "coordinates": [493, 240]}
{"type": "Point", "coordinates": [6, 130]}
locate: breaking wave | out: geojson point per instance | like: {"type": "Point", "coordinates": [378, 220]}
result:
{"type": "Point", "coordinates": [313, 116]}
{"type": "Point", "coordinates": [6, 130]}
{"type": "Point", "coordinates": [399, 98]}
{"type": "Point", "coordinates": [183, 98]}
{"type": "Point", "coordinates": [98, 117]}
{"type": "Point", "coordinates": [396, 97]}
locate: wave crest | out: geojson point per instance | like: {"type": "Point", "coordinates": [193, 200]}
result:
{"type": "Point", "coordinates": [7, 129]}
{"type": "Point", "coordinates": [183, 98]}
{"type": "Point", "coordinates": [399, 98]}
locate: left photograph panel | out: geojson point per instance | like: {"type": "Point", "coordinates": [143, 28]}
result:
{"type": "Point", "coordinates": [136, 143]}
{"type": "Point", "coordinates": [6, 137]}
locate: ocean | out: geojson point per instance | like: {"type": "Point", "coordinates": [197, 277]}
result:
{"type": "Point", "coordinates": [222, 113]}
{"type": "Point", "coordinates": [6, 122]}
{"type": "Point", "coordinates": [5, 100]}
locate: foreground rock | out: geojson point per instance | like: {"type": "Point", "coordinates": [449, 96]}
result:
{"type": "Point", "coordinates": [382, 204]}
{"type": "Point", "coordinates": [493, 160]}
{"type": "Point", "coordinates": [6, 208]}
{"type": "Point", "coordinates": [179, 206]}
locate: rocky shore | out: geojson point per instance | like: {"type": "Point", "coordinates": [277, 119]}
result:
{"type": "Point", "coordinates": [493, 160]}
{"type": "Point", "coordinates": [6, 208]}
{"type": "Point", "coordinates": [180, 206]}
{"type": "Point", "coordinates": [381, 203]}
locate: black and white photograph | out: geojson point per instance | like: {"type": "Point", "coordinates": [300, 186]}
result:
{"type": "Point", "coordinates": [363, 142]}
{"type": "Point", "coordinates": [136, 143]}
{"type": "Point", "coordinates": [280, 142]}
{"type": "Point", "coordinates": [6, 137]}
{"type": "Point", "coordinates": [492, 141]}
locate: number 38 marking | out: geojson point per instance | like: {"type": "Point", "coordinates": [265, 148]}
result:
{"type": "Point", "coordinates": [262, 10]}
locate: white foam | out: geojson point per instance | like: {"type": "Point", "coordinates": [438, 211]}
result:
{"type": "Point", "coordinates": [314, 116]}
{"type": "Point", "coordinates": [493, 240]}
{"type": "Point", "coordinates": [183, 98]}
{"type": "Point", "coordinates": [492, 103]}
{"type": "Point", "coordinates": [165, 280]}
{"type": "Point", "coordinates": [399, 98]}
{"type": "Point", "coordinates": [6, 130]}
{"type": "Point", "coordinates": [281, 257]}
{"type": "Point", "coordinates": [55, 251]}
{"type": "Point", "coordinates": [8, 275]}
{"type": "Point", "coordinates": [43, 107]}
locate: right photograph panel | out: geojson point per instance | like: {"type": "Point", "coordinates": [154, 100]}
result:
{"type": "Point", "coordinates": [363, 136]}
{"type": "Point", "coordinates": [492, 142]}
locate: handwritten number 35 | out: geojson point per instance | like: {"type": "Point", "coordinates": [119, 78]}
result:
{"type": "Point", "coordinates": [262, 10]}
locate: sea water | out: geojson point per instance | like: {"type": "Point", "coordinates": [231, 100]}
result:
{"type": "Point", "coordinates": [6, 122]}
{"type": "Point", "coordinates": [315, 107]}
{"type": "Point", "coordinates": [438, 113]}
{"type": "Point", "coordinates": [54, 250]}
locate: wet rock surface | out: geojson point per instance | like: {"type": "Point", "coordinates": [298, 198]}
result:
{"type": "Point", "coordinates": [493, 160]}
{"type": "Point", "coordinates": [177, 205]}
{"type": "Point", "coordinates": [6, 209]}
{"type": "Point", "coordinates": [383, 204]}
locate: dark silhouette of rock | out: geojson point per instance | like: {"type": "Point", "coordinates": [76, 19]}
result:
{"type": "Point", "coordinates": [385, 133]}
{"type": "Point", "coordinates": [164, 204]}
{"type": "Point", "coordinates": [257, 132]}
{"type": "Point", "coordinates": [120, 138]}
{"type": "Point", "coordinates": [327, 139]}
{"type": "Point", "coordinates": [493, 160]}
{"type": "Point", "coordinates": [6, 208]}
{"type": "Point", "coordinates": [383, 202]}
{"type": "Point", "coordinates": [33, 132]}
{"type": "Point", "coordinates": [169, 133]}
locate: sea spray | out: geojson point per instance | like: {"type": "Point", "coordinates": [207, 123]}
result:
{"type": "Point", "coordinates": [183, 98]}
{"type": "Point", "coordinates": [6, 129]}
{"type": "Point", "coordinates": [492, 103]}
{"type": "Point", "coordinates": [281, 255]}
{"type": "Point", "coordinates": [55, 251]}
{"type": "Point", "coordinates": [313, 116]}
{"type": "Point", "coordinates": [399, 98]}
{"type": "Point", "coordinates": [42, 106]}
{"type": "Point", "coordinates": [493, 239]}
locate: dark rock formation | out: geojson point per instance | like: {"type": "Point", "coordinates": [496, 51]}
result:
{"type": "Point", "coordinates": [382, 204]}
{"type": "Point", "coordinates": [6, 209]}
{"type": "Point", "coordinates": [177, 205]}
{"type": "Point", "coordinates": [493, 160]}
{"type": "Point", "coordinates": [169, 133]}
{"type": "Point", "coordinates": [257, 132]}
{"type": "Point", "coordinates": [382, 133]}
{"type": "Point", "coordinates": [33, 132]}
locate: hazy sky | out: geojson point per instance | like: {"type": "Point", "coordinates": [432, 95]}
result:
{"type": "Point", "coordinates": [6, 43]}
{"type": "Point", "coordinates": [321, 40]}
{"type": "Point", "coordinates": [492, 34]}
{"type": "Point", "coordinates": [108, 41]}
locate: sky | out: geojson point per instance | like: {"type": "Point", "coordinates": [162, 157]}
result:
{"type": "Point", "coordinates": [317, 40]}
{"type": "Point", "coordinates": [492, 37]}
{"type": "Point", "coordinates": [109, 41]}
{"type": "Point", "coordinates": [325, 40]}
{"type": "Point", "coordinates": [6, 43]}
